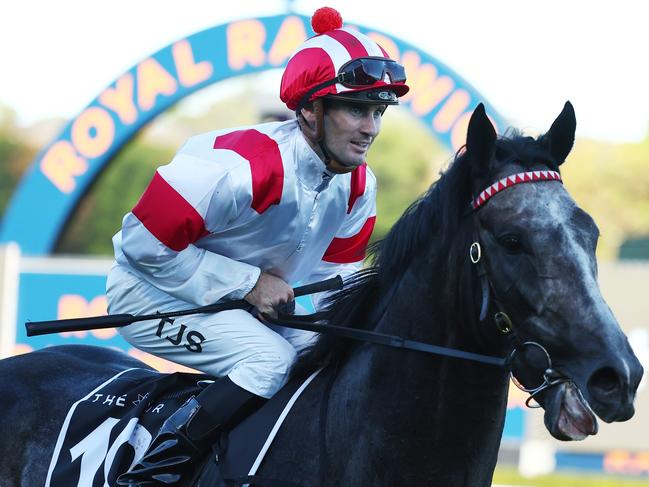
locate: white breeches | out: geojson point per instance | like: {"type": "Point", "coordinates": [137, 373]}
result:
{"type": "Point", "coordinates": [253, 355]}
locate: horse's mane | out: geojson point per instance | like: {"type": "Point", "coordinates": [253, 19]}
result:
{"type": "Point", "coordinates": [428, 227]}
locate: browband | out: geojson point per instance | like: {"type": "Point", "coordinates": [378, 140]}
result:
{"type": "Point", "coordinates": [509, 181]}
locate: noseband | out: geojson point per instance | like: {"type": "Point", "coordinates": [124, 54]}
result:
{"type": "Point", "coordinates": [503, 322]}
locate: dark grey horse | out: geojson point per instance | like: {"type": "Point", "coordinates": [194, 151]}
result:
{"type": "Point", "coordinates": [449, 273]}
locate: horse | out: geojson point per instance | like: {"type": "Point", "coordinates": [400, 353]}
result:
{"type": "Point", "coordinates": [495, 259]}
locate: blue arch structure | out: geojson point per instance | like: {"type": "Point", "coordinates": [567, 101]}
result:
{"type": "Point", "coordinates": [64, 170]}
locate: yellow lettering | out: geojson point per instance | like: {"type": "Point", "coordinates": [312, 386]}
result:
{"type": "Point", "coordinates": [642, 462]}
{"type": "Point", "coordinates": [516, 398]}
{"type": "Point", "coordinates": [458, 133]}
{"type": "Point", "coordinates": [289, 37]}
{"type": "Point", "coordinates": [120, 99]}
{"type": "Point", "coordinates": [153, 80]}
{"type": "Point", "coordinates": [617, 461]}
{"type": "Point", "coordinates": [246, 43]}
{"type": "Point", "coordinates": [451, 110]}
{"type": "Point", "coordinates": [75, 306]}
{"type": "Point", "coordinates": [21, 348]}
{"type": "Point", "coordinates": [427, 89]}
{"type": "Point", "coordinates": [104, 333]}
{"type": "Point", "coordinates": [93, 132]}
{"type": "Point", "coordinates": [387, 44]}
{"type": "Point", "coordinates": [158, 363]}
{"type": "Point", "coordinates": [190, 73]}
{"type": "Point", "coordinates": [61, 164]}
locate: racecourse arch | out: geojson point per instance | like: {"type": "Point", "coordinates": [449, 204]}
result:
{"type": "Point", "coordinates": [64, 170]}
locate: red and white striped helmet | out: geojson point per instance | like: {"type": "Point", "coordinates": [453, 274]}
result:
{"type": "Point", "coordinates": [340, 61]}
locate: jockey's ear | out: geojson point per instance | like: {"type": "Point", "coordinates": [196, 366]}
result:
{"type": "Point", "coordinates": [311, 119]}
{"type": "Point", "coordinates": [561, 136]}
{"type": "Point", "coordinates": [480, 142]}
{"type": "Point", "coordinates": [308, 113]}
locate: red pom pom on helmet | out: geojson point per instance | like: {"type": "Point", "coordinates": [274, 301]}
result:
{"type": "Point", "coordinates": [325, 19]}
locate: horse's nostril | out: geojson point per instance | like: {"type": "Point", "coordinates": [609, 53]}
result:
{"type": "Point", "coordinates": [604, 382]}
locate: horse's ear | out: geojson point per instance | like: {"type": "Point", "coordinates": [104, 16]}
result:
{"type": "Point", "coordinates": [480, 139]}
{"type": "Point", "coordinates": [561, 136]}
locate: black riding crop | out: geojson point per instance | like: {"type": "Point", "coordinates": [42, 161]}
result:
{"type": "Point", "coordinates": [35, 328]}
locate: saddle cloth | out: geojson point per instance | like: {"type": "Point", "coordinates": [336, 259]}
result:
{"type": "Point", "coordinates": [107, 430]}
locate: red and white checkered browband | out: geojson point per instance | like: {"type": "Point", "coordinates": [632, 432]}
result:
{"type": "Point", "coordinates": [509, 181]}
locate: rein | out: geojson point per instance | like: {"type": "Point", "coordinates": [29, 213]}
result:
{"type": "Point", "coordinates": [290, 321]}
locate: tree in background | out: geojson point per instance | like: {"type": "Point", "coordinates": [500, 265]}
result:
{"type": "Point", "coordinates": [115, 193]}
{"type": "Point", "coordinates": [15, 155]}
{"type": "Point", "coordinates": [406, 161]}
{"type": "Point", "coordinates": [611, 182]}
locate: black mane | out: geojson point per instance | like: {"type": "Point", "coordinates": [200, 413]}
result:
{"type": "Point", "coordinates": [430, 228]}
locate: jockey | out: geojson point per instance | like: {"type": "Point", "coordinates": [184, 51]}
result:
{"type": "Point", "coordinates": [240, 213]}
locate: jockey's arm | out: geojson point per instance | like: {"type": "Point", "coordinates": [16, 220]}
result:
{"type": "Point", "coordinates": [157, 237]}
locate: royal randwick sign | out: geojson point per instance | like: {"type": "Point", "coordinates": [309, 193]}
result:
{"type": "Point", "coordinates": [62, 173]}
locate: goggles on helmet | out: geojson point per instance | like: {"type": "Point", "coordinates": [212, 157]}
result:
{"type": "Point", "coordinates": [369, 70]}
{"type": "Point", "coordinates": [362, 72]}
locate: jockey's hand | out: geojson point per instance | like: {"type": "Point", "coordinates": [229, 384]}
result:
{"type": "Point", "coordinates": [269, 292]}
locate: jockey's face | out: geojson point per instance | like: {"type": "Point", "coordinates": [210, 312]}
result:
{"type": "Point", "coordinates": [350, 129]}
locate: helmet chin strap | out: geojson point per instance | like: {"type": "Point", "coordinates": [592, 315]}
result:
{"type": "Point", "coordinates": [316, 134]}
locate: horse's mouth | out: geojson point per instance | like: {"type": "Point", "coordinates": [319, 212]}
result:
{"type": "Point", "coordinates": [568, 416]}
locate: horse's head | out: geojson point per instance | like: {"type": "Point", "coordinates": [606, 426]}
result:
{"type": "Point", "coordinates": [538, 250]}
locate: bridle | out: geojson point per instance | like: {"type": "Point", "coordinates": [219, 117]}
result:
{"type": "Point", "coordinates": [502, 321]}
{"type": "Point", "coordinates": [504, 324]}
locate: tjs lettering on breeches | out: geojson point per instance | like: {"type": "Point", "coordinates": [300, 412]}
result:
{"type": "Point", "coordinates": [231, 343]}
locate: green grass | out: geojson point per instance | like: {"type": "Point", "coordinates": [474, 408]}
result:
{"type": "Point", "coordinates": [509, 476]}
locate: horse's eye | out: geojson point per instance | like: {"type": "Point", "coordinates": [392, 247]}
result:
{"type": "Point", "coordinates": [511, 243]}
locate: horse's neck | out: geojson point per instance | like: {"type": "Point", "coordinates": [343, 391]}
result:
{"type": "Point", "coordinates": [420, 417]}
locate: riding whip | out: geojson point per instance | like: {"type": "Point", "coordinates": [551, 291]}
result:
{"type": "Point", "coordinates": [35, 328]}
